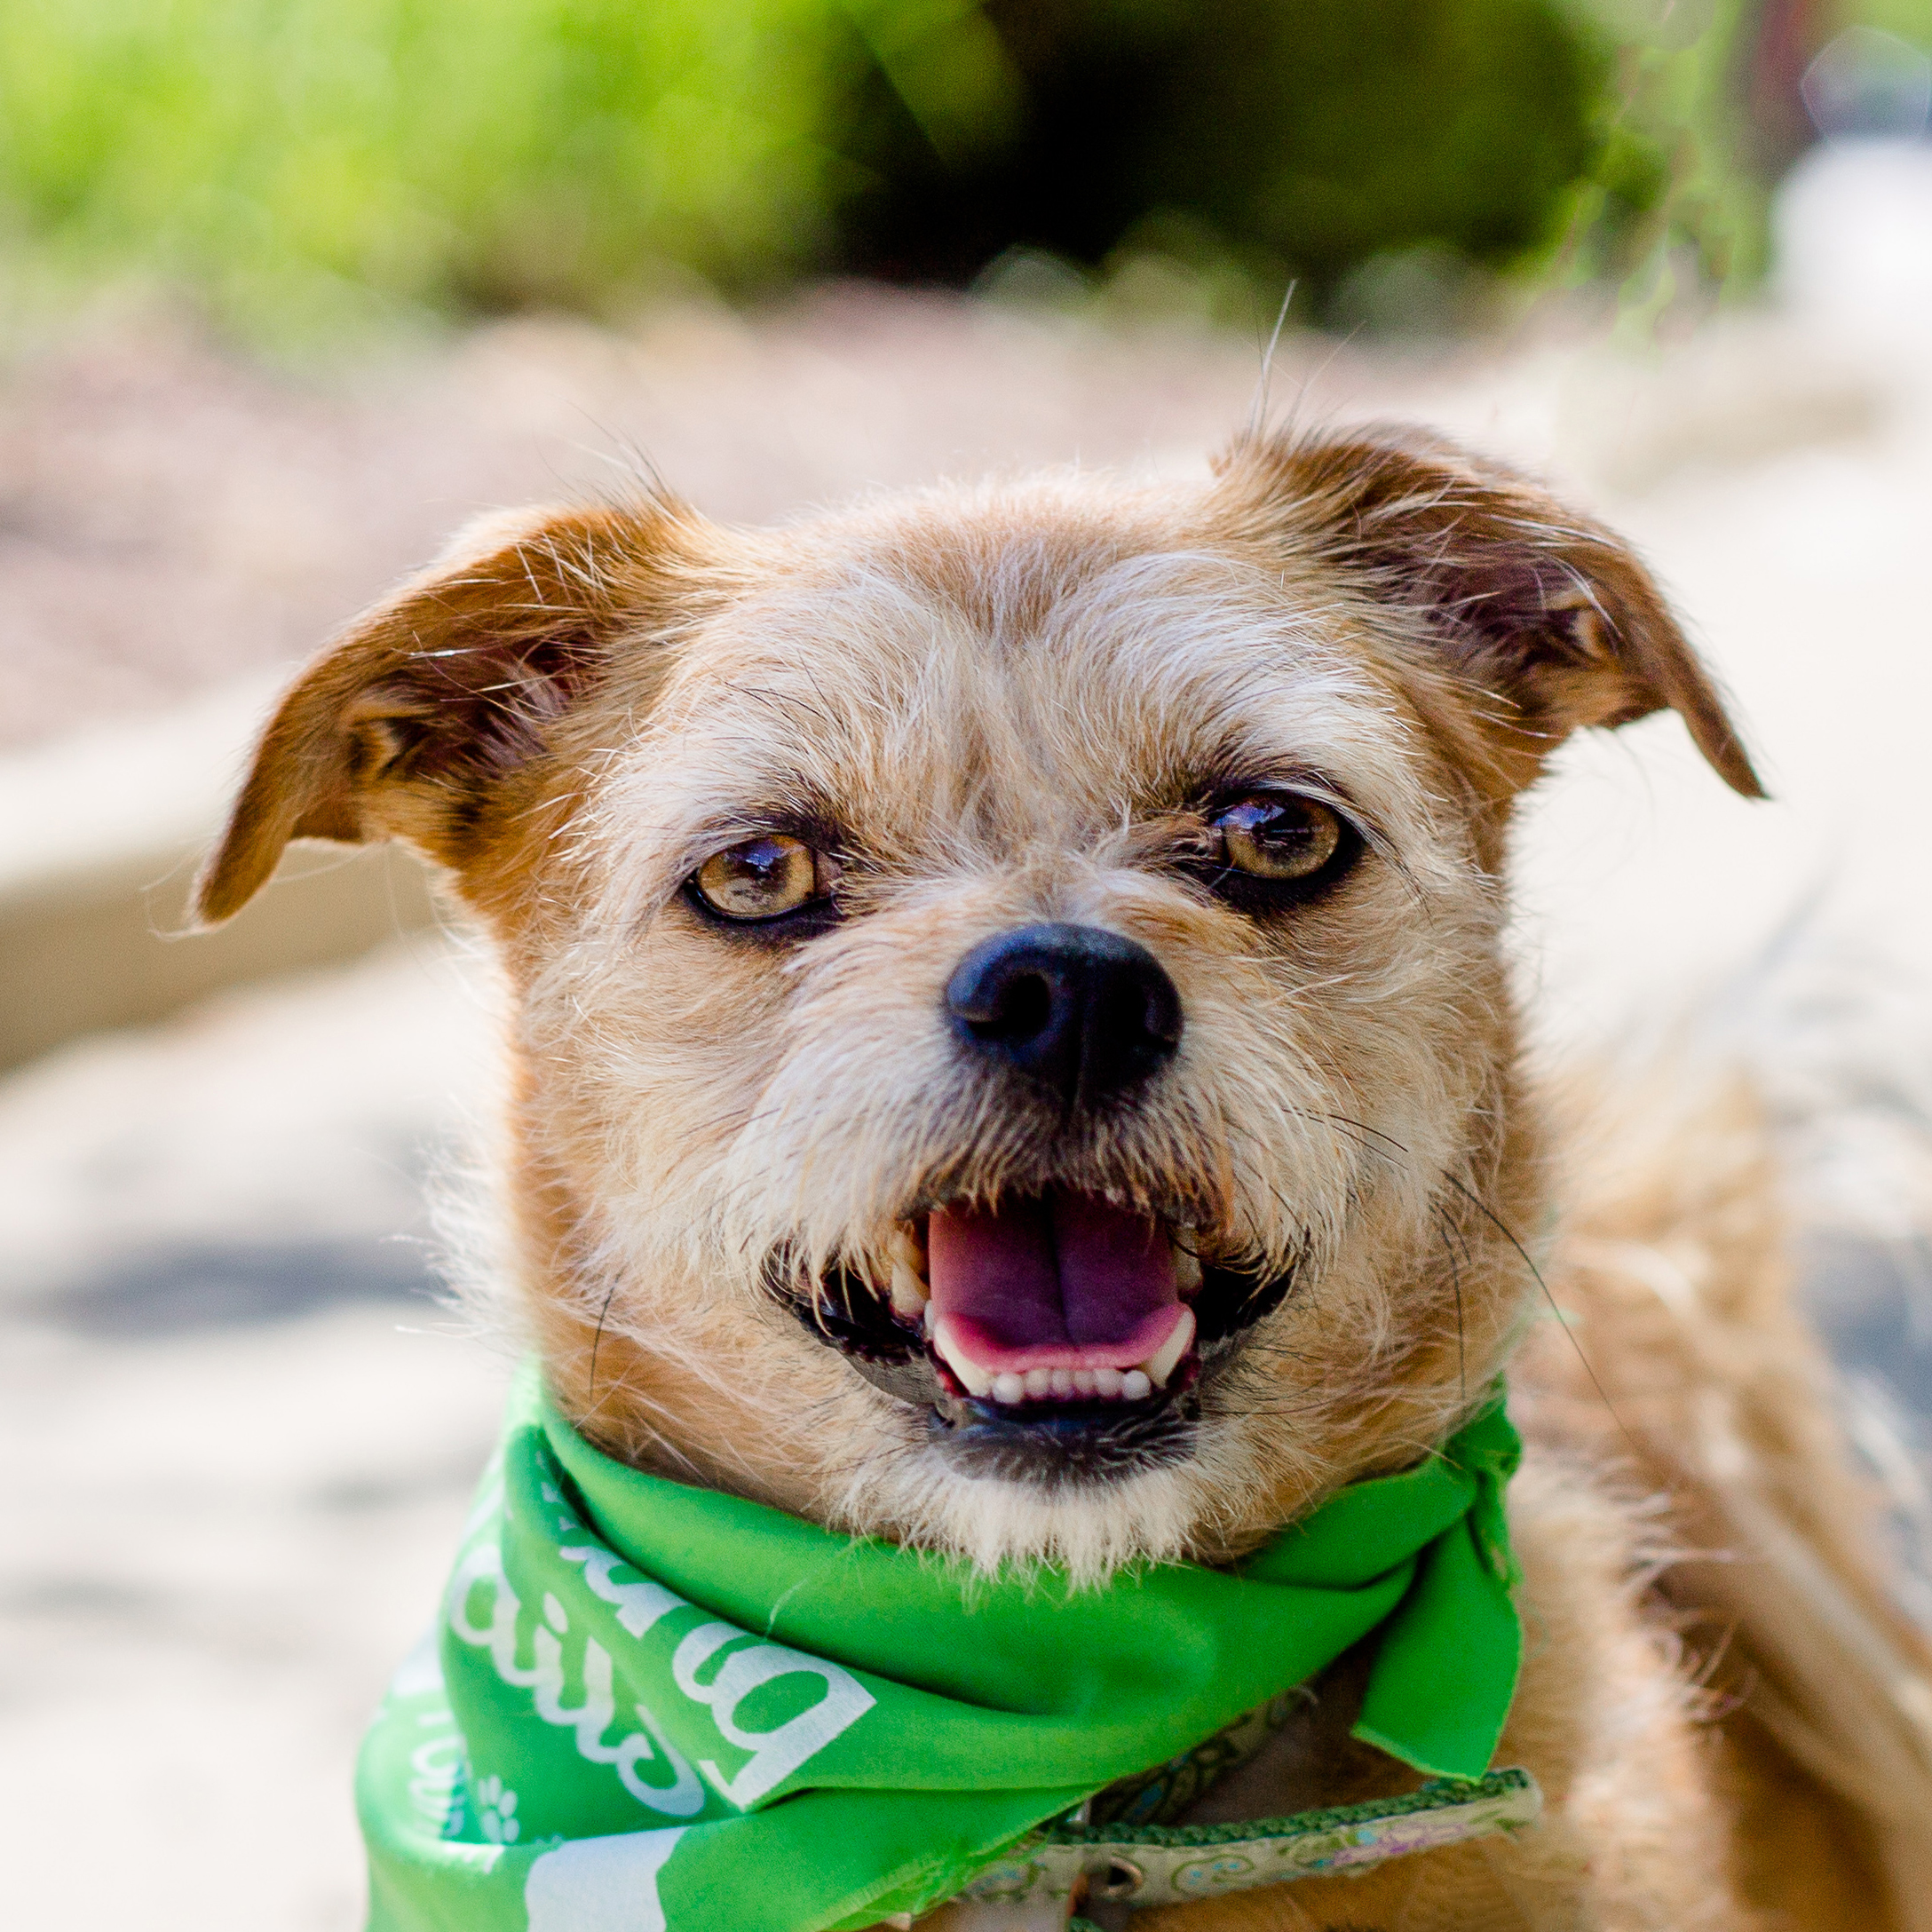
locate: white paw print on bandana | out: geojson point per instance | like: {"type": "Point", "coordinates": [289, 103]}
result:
{"type": "Point", "coordinates": [496, 1811]}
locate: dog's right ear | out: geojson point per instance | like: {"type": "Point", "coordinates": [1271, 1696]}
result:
{"type": "Point", "coordinates": [419, 722]}
{"type": "Point", "coordinates": [1544, 620]}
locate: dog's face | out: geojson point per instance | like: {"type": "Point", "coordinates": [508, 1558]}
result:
{"type": "Point", "coordinates": [1013, 1048]}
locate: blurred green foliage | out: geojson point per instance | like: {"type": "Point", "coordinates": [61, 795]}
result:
{"type": "Point", "coordinates": [304, 165]}
{"type": "Point", "coordinates": [1672, 191]}
{"type": "Point", "coordinates": [324, 159]}
{"type": "Point", "coordinates": [1909, 20]}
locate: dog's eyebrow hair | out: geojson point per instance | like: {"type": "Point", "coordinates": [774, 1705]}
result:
{"type": "Point", "coordinates": [801, 810]}
{"type": "Point", "coordinates": [1223, 760]}
{"type": "Point", "coordinates": [814, 706]}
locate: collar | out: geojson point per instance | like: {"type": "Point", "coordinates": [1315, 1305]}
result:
{"type": "Point", "coordinates": [664, 1698]}
{"type": "Point", "coordinates": [1043, 1881]}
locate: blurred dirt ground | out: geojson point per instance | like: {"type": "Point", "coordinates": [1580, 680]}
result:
{"type": "Point", "coordinates": [241, 1430]}
{"type": "Point", "coordinates": [169, 516]}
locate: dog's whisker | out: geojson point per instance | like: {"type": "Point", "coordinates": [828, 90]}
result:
{"type": "Point", "coordinates": [1455, 1281]}
{"type": "Point", "coordinates": [1536, 1274]}
{"type": "Point", "coordinates": [603, 1314]}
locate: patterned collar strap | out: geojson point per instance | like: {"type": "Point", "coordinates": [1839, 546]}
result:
{"type": "Point", "coordinates": [658, 1708]}
{"type": "Point", "coordinates": [1065, 1867]}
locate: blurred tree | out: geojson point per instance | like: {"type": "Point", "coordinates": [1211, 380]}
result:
{"type": "Point", "coordinates": [1302, 133]}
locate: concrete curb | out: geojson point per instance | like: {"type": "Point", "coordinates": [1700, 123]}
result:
{"type": "Point", "coordinates": [102, 832]}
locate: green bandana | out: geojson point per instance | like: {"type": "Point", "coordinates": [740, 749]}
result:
{"type": "Point", "coordinates": [659, 1707]}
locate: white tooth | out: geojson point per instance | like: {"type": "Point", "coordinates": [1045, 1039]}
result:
{"type": "Point", "coordinates": [1186, 1269]}
{"type": "Point", "coordinates": [1160, 1363]}
{"type": "Point", "coordinates": [976, 1381]}
{"type": "Point", "coordinates": [1062, 1382]}
{"type": "Point", "coordinates": [1107, 1382]}
{"type": "Point", "coordinates": [1009, 1388]}
{"type": "Point", "coordinates": [1039, 1381]}
{"type": "Point", "coordinates": [908, 1292]}
{"type": "Point", "coordinates": [908, 1247]}
{"type": "Point", "coordinates": [1135, 1387]}
{"type": "Point", "coordinates": [932, 1317]}
{"type": "Point", "coordinates": [1084, 1381]}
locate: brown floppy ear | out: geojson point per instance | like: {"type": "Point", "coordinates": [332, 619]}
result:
{"type": "Point", "coordinates": [416, 721]}
{"type": "Point", "coordinates": [1529, 601]}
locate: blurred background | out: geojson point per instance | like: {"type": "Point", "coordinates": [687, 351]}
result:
{"type": "Point", "coordinates": [290, 289]}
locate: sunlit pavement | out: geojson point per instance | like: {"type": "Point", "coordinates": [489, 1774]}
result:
{"type": "Point", "coordinates": [241, 1430]}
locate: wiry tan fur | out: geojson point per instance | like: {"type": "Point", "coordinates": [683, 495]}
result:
{"type": "Point", "coordinates": [1005, 705]}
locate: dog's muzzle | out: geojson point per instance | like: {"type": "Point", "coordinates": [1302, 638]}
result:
{"type": "Point", "coordinates": [1054, 1335]}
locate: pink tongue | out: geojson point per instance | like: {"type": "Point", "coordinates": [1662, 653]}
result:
{"type": "Point", "coordinates": [1065, 1281]}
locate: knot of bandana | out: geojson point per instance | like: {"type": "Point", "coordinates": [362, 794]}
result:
{"type": "Point", "coordinates": [648, 1706]}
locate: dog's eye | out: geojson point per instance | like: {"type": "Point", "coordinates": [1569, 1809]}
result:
{"type": "Point", "coordinates": [763, 878]}
{"type": "Point", "coordinates": [1280, 837]}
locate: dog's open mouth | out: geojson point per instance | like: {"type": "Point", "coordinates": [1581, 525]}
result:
{"type": "Point", "coordinates": [1055, 1335]}
{"type": "Point", "coordinates": [1053, 1298]}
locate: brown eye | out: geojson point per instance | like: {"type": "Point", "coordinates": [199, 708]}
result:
{"type": "Point", "coordinates": [1280, 838]}
{"type": "Point", "coordinates": [763, 878]}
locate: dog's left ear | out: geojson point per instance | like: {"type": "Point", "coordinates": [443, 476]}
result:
{"type": "Point", "coordinates": [430, 720]}
{"type": "Point", "coordinates": [1518, 596]}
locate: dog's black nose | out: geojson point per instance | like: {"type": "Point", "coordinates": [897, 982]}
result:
{"type": "Point", "coordinates": [1083, 1011]}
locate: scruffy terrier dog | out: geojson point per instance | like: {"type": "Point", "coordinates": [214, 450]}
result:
{"type": "Point", "coordinates": [1013, 1054]}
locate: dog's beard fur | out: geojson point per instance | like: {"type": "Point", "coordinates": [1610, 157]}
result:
{"type": "Point", "coordinates": [1002, 707]}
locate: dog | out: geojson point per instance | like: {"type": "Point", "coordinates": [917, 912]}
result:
{"type": "Point", "coordinates": [1118, 874]}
